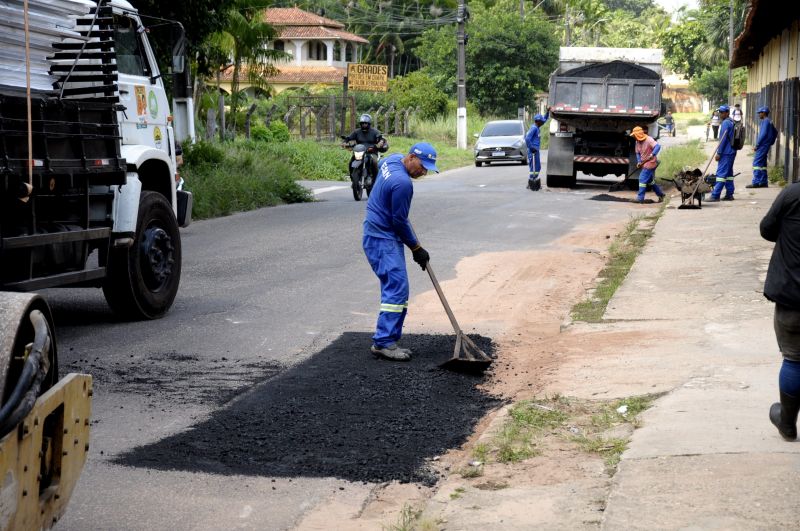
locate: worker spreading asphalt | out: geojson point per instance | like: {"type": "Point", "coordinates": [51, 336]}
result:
{"type": "Point", "coordinates": [341, 413]}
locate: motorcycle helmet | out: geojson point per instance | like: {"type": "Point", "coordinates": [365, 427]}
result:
{"type": "Point", "coordinates": [365, 122]}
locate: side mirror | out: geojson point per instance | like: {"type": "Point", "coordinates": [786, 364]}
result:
{"type": "Point", "coordinates": [476, 135]}
{"type": "Point", "coordinates": [178, 64]}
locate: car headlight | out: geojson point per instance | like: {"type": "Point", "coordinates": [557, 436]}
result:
{"type": "Point", "coordinates": [517, 144]}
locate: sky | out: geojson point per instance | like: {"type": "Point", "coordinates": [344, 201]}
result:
{"type": "Point", "coordinates": [673, 5]}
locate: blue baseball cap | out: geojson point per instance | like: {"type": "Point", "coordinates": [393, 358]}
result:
{"type": "Point", "coordinates": [538, 118]}
{"type": "Point", "coordinates": [763, 109]}
{"type": "Point", "coordinates": [724, 108]}
{"type": "Point", "coordinates": [426, 153]}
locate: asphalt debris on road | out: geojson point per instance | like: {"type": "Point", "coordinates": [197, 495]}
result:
{"type": "Point", "coordinates": [174, 379]}
{"type": "Point", "coordinates": [340, 413]}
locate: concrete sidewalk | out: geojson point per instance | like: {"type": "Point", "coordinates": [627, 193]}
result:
{"type": "Point", "coordinates": [707, 456]}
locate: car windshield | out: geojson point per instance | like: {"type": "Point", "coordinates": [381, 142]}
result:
{"type": "Point", "coordinates": [502, 129]}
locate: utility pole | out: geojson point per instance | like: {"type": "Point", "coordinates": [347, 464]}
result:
{"type": "Point", "coordinates": [461, 81]}
{"type": "Point", "coordinates": [568, 31]}
{"type": "Point", "coordinates": [730, 54]}
{"type": "Point", "coordinates": [522, 9]}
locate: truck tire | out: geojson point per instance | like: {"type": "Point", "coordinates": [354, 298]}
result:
{"type": "Point", "coordinates": [143, 279]}
{"type": "Point", "coordinates": [562, 181]}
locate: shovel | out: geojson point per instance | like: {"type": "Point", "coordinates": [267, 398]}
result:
{"type": "Point", "coordinates": [467, 357]}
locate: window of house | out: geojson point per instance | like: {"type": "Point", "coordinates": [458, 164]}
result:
{"type": "Point", "coordinates": [317, 51]}
{"type": "Point", "coordinates": [131, 57]}
{"type": "Point", "coordinates": [337, 51]}
{"type": "Point", "coordinates": [348, 53]}
{"type": "Point", "coordinates": [279, 45]}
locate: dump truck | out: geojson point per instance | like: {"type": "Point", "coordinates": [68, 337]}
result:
{"type": "Point", "coordinates": [88, 198]}
{"type": "Point", "coordinates": [597, 96]}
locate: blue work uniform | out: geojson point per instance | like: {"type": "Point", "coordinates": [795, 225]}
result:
{"type": "Point", "coordinates": [767, 134]}
{"type": "Point", "coordinates": [533, 141]}
{"type": "Point", "coordinates": [386, 230]}
{"type": "Point", "coordinates": [725, 165]}
{"type": "Point", "coordinates": [648, 175]}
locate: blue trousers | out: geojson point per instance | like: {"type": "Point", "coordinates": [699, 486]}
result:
{"type": "Point", "coordinates": [534, 164]}
{"type": "Point", "coordinates": [789, 378]}
{"type": "Point", "coordinates": [645, 176]}
{"type": "Point", "coordinates": [388, 261]}
{"type": "Point", "coordinates": [724, 176]}
{"type": "Point", "coordinates": [760, 166]}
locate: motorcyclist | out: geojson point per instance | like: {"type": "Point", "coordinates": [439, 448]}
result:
{"type": "Point", "coordinates": [371, 138]}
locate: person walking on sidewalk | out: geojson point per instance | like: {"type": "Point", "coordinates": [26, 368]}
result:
{"type": "Point", "coordinates": [725, 156]}
{"type": "Point", "coordinates": [767, 134]}
{"type": "Point", "coordinates": [782, 286]}
{"type": "Point", "coordinates": [533, 141]}
{"type": "Point", "coordinates": [714, 123]}
{"type": "Point", "coordinates": [386, 229]}
{"type": "Point", "coordinates": [736, 115]}
{"type": "Point", "coordinates": [646, 150]}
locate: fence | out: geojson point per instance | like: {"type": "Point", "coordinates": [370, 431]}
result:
{"type": "Point", "coordinates": [783, 100]}
{"type": "Point", "coordinates": [322, 118]}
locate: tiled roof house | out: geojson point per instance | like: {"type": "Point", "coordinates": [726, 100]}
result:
{"type": "Point", "coordinates": [320, 49]}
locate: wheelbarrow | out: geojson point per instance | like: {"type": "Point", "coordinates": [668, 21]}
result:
{"type": "Point", "coordinates": [691, 183]}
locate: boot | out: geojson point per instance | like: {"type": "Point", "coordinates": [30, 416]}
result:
{"type": "Point", "coordinates": [534, 185]}
{"type": "Point", "coordinates": [784, 416]}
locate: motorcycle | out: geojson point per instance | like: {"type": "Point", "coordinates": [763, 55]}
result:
{"type": "Point", "coordinates": [359, 168]}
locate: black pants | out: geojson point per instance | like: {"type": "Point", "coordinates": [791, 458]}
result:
{"type": "Point", "coordinates": [716, 131]}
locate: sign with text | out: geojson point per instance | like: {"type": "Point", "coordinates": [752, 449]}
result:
{"type": "Point", "coordinates": [367, 77]}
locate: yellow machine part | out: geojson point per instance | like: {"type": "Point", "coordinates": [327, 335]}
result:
{"type": "Point", "coordinates": [41, 460]}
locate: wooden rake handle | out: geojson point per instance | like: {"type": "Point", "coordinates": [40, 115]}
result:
{"type": "Point", "coordinates": [442, 298]}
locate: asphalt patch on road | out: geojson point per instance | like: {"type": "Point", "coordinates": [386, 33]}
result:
{"type": "Point", "coordinates": [613, 198]}
{"type": "Point", "coordinates": [341, 413]}
{"type": "Point", "coordinates": [173, 379]}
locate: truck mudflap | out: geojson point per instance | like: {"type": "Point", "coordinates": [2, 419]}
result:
{"type": "Point", "coordinates": [561, 155]}
{"type": "Point", "coordinates": [41, 460]}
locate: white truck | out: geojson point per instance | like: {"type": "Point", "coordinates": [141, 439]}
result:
{"type": "Point", "coordinates": [100, 205]}
{"type": "Point", "coordinates": [88, 197]}
{"type": "Point", "coordinates": [597, 96]}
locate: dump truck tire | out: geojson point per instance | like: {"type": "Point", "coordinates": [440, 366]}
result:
{"type": "Point", "coordinates": [143, 279]}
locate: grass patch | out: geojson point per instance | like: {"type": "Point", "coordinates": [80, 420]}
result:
{"type": "Point", "coordinates": [459, 492]}
{"type": "Point", "coordinates": [611, 449]}
{"type": "Point", "coordinates": [622, 255]}
{"type": "Point", "coordinates": [237, 177]}
{"type": "Point", "coordinates": [406, 520]}
{"type": "Point", "coordinates": [673, 159]}
{"type": "Point", "coordinates": [516, 440]}
{"type": "Point", "coordinates": [470, 471]}
{"type": "Point", "coordinates": [775, 175]}
{"type": "Point", "coordinates": [481, 452]}
{"type": "Point", "coordinates": [610, 414]}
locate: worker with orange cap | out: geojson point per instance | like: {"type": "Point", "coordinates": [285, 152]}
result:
{"type": "Point", "coordinates": [646, 150]}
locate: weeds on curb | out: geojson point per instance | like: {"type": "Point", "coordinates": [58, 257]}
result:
{"type": "Point", "coordinates": [623, 252]}
{"type": "Point", "coordinates": [457, 493]}
{"type": "Point", "coordinates": [775, 175]}
{"type": "Point", "coordinates": [611, 449]}
{"type": "Point", "coordinates": [406, 520]}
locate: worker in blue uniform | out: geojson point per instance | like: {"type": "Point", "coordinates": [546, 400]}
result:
{"type": "Point", "coordinates": [386, 231]}
{"type": "Point", "coordinates": [725, 157]}
{"type": "Point", "coordinates": [533, 141]}
{"type": "Point", "coordinates": [767, 134]}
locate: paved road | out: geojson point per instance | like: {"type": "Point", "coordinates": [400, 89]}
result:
{"type": "Point", "coordinates": [261, 291]}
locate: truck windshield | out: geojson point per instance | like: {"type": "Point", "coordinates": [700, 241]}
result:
{"type": "Point", "coordinates": [502, 129]}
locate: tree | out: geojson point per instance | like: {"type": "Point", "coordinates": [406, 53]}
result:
{"type": "Point", "coordinates": [624, 31]}
{"type": "Point", "coordinates": [418, 90]}
{"type": "Point", "coordinates": [714, 15]}
{"type": "Point", "coordinates": [244, 38]}
{"type": "Point", "coordinates": [508, 59]}
{"type": "Point", "coordinates": [680, 43]}
{"type": "Point", "coordinates": [636, 7]}
{"type": "Point", "coordinates": [713, 84]}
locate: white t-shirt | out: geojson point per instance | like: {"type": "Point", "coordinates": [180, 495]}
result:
{"type": "Point", "coordinates": [736, 114]}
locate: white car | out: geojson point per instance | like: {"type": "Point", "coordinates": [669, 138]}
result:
{"type": "Point", "coordinates": [501, 141]}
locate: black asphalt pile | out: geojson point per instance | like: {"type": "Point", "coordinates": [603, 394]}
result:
{"type": "Point", "coordinates": [172, 379]}
{"type": "Point", "coordinates": [613, 198]}
{"type": "Point", "coordinates": [341, 413]}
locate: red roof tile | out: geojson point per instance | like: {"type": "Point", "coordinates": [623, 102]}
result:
{"type": "Point", "coordinates": [292, 16]}
{"type": "Point", "coordinates": [317, 32]}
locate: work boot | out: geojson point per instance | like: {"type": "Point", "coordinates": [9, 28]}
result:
{"type": "Point", "coordinates": [765, 185]}
{"type": "Point", "coordinates": [712, 199]}
{"type": "Point", "coordinates": [784, 416]}
{"type": "Point", "coordinates": [660, 199]}
{"type": "Point", "coordinates": [391, 352]}
{"type": "Point", "coordinates": [728, 198]}
{"type": "Point", "coordinates": [534, 185]}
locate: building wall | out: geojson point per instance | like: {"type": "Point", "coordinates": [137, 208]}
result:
{"type": "Point", "coordinates": [774, 80]}
{"type": "Point", "coordinates": [683, 99]}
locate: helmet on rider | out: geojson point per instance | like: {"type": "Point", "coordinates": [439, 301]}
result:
{"type": "Point", "coordinates": [365, 122]}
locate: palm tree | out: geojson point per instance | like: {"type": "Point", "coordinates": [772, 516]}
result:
{"type": "Point", "coordinates": [245, 38]}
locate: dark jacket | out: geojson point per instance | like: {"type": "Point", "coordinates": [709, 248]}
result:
{"type": "Point", "coordinates": [782, 226]}
{"type": "Point", "coordinates": [369, 139]}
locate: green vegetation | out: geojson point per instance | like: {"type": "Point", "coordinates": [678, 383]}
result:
{"type": "Point", "coordinates": [406, 520]}
{"type": "Point", "coordinates": [526, 420]}
{"type": "Point", "coordinates": [673, 159]}
{"type": "Point", "coordinates": [611, 449]}
{"type": "Point", "coordinates": [622, 254]}
{"type": "Point", "coordinates": [775, 175]}
{"type": "Point", "coordinates": [237, 177]}
{"type": "Point", "coordinates": [457, 493]}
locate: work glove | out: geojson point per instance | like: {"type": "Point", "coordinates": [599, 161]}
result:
{"type": "Point", "coordinates": [421, 256]}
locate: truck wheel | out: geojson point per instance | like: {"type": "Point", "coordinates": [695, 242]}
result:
{"type": "Point", "coordinates": [143, 279]}
{"type": "Point", "coordinates": [561, 181]}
